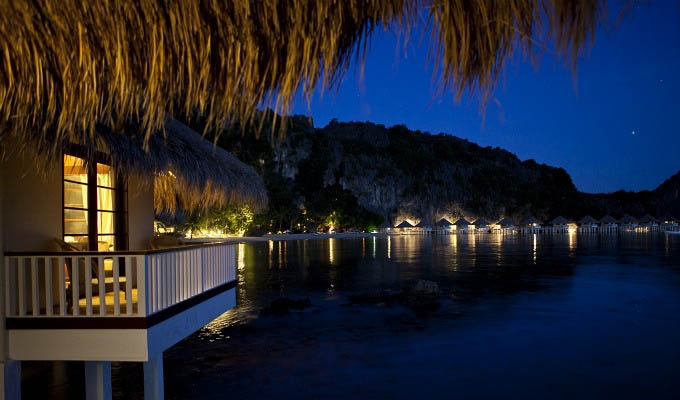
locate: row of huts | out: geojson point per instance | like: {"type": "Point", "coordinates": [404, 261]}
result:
{"type": "Point", "coordinates": [531, 224]}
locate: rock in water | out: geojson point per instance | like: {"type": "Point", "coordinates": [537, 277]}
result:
{"type": "Point", "coordinates": [283, 305]}
{"type": "Point", "coordinates": [424, 296]}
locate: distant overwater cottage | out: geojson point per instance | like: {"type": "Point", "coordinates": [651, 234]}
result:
{"type": "Point", "coordinates": [505, 226]}
{"type": "Point", "coordinates": [531, 225]}
{"type": "Point", "coordinates": [423, 227]}
{"type": "Point", "coordinates": [481, 225]}
{"type": "Point", "coordinates": [608, 224]}
{"type": "Point", "coordinates": [669, 223]}
{"type": "Point", "coordinates": [628, 223]}
{"type": "Point", "coordinates": [444, 226]}
{"type": "Point", "coordinates": [404, 227]}
{"type": "Point", "coordinates": [649, 223]}
{"type": "Point", "coordinates": [559, 224]}
{"type": "Point", "coordinates": [462, 225]}
{"type": "Point", "coordinates": [587, 224]}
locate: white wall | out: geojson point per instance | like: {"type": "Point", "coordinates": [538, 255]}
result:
{"type": "Point", "coordinates": [3, 332]}
{"type": "Point", "coordinates": [140, 212]}
{"type": "Point", "coordinates": [31, 204]}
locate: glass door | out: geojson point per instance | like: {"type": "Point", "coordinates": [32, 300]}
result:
{"type": "Point", "coordinates": [94, 206]}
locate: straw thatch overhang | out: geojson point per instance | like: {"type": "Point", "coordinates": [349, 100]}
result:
{"type": "Point", "coordinates": [68, 66]}
{"type": "Point", "coordinates": [559, 220]}
{"type": "Point", "coordinates": [462, 222]}
{"type": "Point", "coordinates": [187, 171]}
{"type": "Point", "coordinates": [506, 222]}
{"type": "Point", "coordinates": [587, 220]}
{"type": "Point", "coordinates": [444, 223]}
{"type": "Point", "coordinates": [405, 224]}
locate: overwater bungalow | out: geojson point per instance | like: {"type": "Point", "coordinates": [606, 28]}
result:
{"type": "Point", "coordinates": [482, 225]}
{"type": "Point", "coordinates": [649, 224]}
{"type": "Point", "coordinates": [77, 290]}
{"type": "Point", "coordinates": [385, 227]}
{"type": "Point", "coordinates": [531, 225]}
{"type": "Point", "coordinates": [462, 225]}
{"type": "Point", "coordinates": [507, 226]}
{"type": "Point", "coordinates": [608, 224]}
{"type": "Point", "coordinates": [404, 227]}
{"type": "Point", "coordinates": [588, 224]}
{"type": "Point", "coordinates": [628, 223]}
{"type": "Point", "coordinates": [559, 224]}
{"type": "Point", "coordinates": [423, 227]}
{"type": "Point", "coordinates": [669, 223]}
{"type": "Point", "coordinates": [444, 226]}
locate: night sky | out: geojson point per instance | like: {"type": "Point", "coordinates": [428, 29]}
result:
{"type": "Point", "coordinates": [613, 127]}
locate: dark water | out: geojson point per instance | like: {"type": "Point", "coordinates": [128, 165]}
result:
{"type": "Point", "coordinates": [542, 316]}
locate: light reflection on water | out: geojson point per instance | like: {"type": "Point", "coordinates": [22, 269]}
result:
{"type": "Point", "coordinates": [535, 314]}
{"type": "Point", "coordinates": [559, 294]}
{"type": "Point", "coordinates": [326, 266]}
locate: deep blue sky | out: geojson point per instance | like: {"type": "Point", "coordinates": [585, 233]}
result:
{"type": "Point", "coordinates": [628, 83]}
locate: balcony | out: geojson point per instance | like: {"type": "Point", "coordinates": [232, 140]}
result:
{"type": "Point", "coordinates": [118, 306]}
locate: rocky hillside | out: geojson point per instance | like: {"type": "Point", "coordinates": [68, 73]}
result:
{"type": "Point", "coordinates": [399, 173]}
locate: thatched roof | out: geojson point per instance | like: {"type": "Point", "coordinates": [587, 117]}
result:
{"type": "Point", "coordinates": [559, 220]}
{"type": "Point", "coordinates": [668, 218]}
{"type": "Point", "coordinates": [587, 220]}
{"type": "Point", "coordinates": [188, 172]}
{"type": "Point", "coordinates": [530, 220]}
{"type": "Point", "coordinates": [423, 224]}
{"type": "Point", "coordinates": [405, 224]}
{"type": "Point", "coordinates": [385, 225]}
{"type": "Point", "coordinates": [627, 219]}
{"type": "Point", "coordinates": [481, 222]}
{"type": "Point", "coordinates": [505, 222]}
{"type": "Point", "coordinates": [444, 223]}
{"type": "Point", "coordinates": [648, 219]}
{"type": "Point", "coordinates": [68, 66]}
{"type": "Point", "coordinates": [462, 222]}
{"type": "Point", "coordinates": [607, 219]}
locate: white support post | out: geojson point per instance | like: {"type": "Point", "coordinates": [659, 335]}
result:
{"type": "Point", "coordinates": [10, 380]}
{"type": "Point", "coordinates": [98, 380]}
{"type": "Point", "coordinates": [153, 378]}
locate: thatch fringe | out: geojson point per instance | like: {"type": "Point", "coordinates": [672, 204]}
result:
{"type": "Point", "coordinates": [67, 66]}
{"type": "Point", "coordinates": [187, 171]}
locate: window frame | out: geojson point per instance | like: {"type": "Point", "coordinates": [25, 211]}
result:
{"type": "Point", "coordinates": [120, 197]}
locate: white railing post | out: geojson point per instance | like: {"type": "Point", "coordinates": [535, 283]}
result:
{"type": "Point", "coordinates": [61, 265]}
{"type": "Point", "coordinates": [142, 288]}
{"type": "Point", "coordinates": [128, 285]}
{"type": "Point", "coordinates": [88, 285]}
{"type": "Point", "coordinates": [75, 285]}
{"type": "Point", "coordinates": [8, 287]}
{"type": "Point", "coordinates": [35, 299]}
{"type": "Point", "coordinates": [48, 286]}
{"type": "Point", "coordinates": [116, 285]}
{"type": "Point", "coordinates": [101, 279]}
{"type": "Point", "coordinates": [22, 285]}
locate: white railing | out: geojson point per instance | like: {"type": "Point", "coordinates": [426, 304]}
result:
{"type": "Point", "coordinates": [113, 284]}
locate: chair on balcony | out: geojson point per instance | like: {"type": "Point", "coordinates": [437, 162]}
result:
{"type": "Point", "coordinates": [164, 242]}
{"type": "Point", "coordinates": [61, 246]}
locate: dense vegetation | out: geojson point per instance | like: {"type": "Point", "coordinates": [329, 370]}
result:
{"type": "Point", "coordinates": [361, 175]}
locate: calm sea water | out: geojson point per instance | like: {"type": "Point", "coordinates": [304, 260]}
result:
{"type": "Point", "coordinates": [564, 316]}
